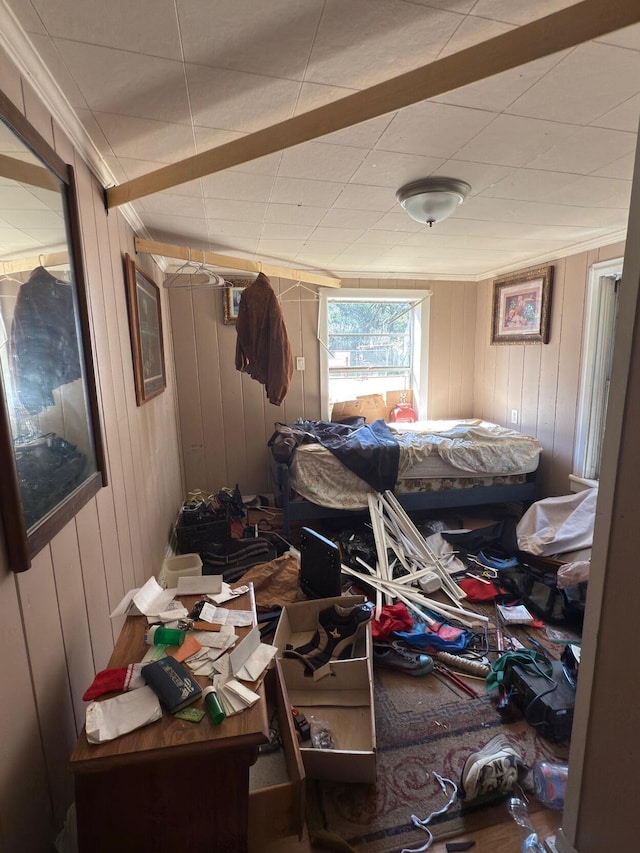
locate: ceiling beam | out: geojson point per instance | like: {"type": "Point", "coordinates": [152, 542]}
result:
{"type": "Point", "coordinates": [53, 259]}
{"type": "Point", "coordinates": [564, 29]}
{"type": "Point", "coordinates": [200, 256]}
{"type": "Point", "coordinates": [28, 173]}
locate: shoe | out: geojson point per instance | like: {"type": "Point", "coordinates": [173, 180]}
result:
{"type": "Point", "coordinates": [338, 628]}
{"type": "Point", "coordinates": [398, 657]}
{"type": "Point", "coordinates": [493, 771]}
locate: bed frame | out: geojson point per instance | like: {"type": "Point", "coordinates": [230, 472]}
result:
{"type": "Point", "coordinates": [302, 510]}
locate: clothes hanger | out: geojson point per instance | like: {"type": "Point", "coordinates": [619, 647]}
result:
{"type": "Point", "coordinates": [190, 268]}
{"type": "Point", "coordinates": [299, 284]}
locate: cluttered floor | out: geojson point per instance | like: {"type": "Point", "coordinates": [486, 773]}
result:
{"type": "Point", "coordinates": [475, 650]}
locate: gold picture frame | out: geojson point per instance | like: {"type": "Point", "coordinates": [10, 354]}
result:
{"type": "Point", "coordinates": [145, 327]}
{"type": "Point", "coordinates": [521, 309]}
{"type": "Point", "coordinates": [231, 296]}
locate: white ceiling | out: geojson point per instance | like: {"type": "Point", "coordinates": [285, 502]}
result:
{"type": "Point", "coordinates": [548, 148]}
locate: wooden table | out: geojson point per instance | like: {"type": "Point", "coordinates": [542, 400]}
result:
{"type": "Point", "coordinates": [172, 785]}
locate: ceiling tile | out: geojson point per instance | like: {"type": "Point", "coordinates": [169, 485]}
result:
{"type": "Point", "coordinates": [585, 150]}
{"type": "Point", "coordinates": [278, 248]}
{"type": "Point", "coordinates": [518, 13]}
{"type": "Point", "coordinates": [391, 169]}
{"type": "Point", "coordinates": [316, 160]}
{"type": "Point", "coordinates": [627, 37]}
{"type": "Point", "coordinates": [50, 55]}
{"type": "Point", "coordinates": [145, 26]}
{"type": "Point", "coordinates": [235, 100]}
{"type": "Point", "coordinates": [209, 137]}
{"type": "Point", "coordinates": [622, 117]}
{"type": "Point", "coordinates": [105, 76]}
{"type": "Point", "coordinates": [238, 185]}
{"type": "Point", "coordinates": [27, 15]}
{"type": "Point", "coordinates": [530, 185]}
{"type": "Point", "coordinates": [298, 191]}
{"type": "Point", "coordinates": [231, 208]}
{"type": "Point", "coordinates": [508, 210]}
{"type": "Point", "coordinates": [604, 75]}
{"type": "Point", "coordinates": [232, 228]}
{"type": "Point", "coordinates": [434, 130]}
{"type": "Point", "coordinates": [472, 31]}
{"type": "Point", "coordinates": [247, 36]}
{"type": "Point", "coordinates": [174, 205]}
{"type": "Point", "coordinates": [158, 141]}
{"type": "Point", "coordinates": [398, 36]}
{"type": "Point", "coordinates": [620, 168]}
{"type": "Point", "coordinates": [360, 197]}
{"type": "Point", "coordinates": [282, 231]}
{"type": "Point", "coordinates": [514, 141]}
{"type": "Point", "coordinates": [294, 214]}
{"type": "Point", "coordinates": [344, 218]}
{"type": "Point", "coordinates": [478, 175]}
{"type": "Point", "coordinates": [376, 237]}
{"type": "Point", "coordinates": [500, 91]}
{"type": "Point", "coordinates": [337, 235]}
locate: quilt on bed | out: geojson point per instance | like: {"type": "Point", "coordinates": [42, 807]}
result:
{"type": "Point", "coordinates": [434, 455]}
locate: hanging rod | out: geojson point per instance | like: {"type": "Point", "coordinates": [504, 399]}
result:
{"type": "Point", "coordinates": [54, 259]}
{"type": "Point", "coordinates": [184, 253]}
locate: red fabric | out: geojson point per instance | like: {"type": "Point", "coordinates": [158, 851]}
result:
{"type": "Point", "coordinates": [112, 680]}
{"type": "Point", "coordinates": [393, 617]}
{"type": "Point", "coordinates": [478, 590]}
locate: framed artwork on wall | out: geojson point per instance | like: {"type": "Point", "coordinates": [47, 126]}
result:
{"type": "Point", "coordinates": [231, 298]}
{"type": "Point", "coordinates": [521, 308]}
{"type": "Point", "coordinates": [145, 327]}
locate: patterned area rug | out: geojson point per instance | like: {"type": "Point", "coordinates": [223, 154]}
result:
{"type": "Point", "coordinates": [423, 725]}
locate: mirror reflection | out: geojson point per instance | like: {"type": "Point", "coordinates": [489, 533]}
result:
{"type": "Point", "coordinates": [41, 359]}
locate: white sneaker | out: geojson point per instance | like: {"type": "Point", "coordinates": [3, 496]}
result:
{"type": "Point", "coordinates": [492, 771]}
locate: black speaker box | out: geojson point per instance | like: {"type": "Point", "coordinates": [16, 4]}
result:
{"type": "Point", "coordinates": [549, 710]}
{"type": "Point", "coordinates": [319, 565]}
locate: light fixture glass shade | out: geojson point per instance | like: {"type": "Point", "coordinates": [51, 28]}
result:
{"type": "Point", "coordinates": [432, 199]}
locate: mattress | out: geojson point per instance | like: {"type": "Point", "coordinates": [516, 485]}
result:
{"type": "Point", "coordinates": [434, 455]}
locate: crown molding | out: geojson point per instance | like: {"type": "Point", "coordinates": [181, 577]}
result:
{"type": "Point", "coordinates": [22, 53]}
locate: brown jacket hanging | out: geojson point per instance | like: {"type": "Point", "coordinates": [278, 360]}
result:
{"type": "Point", "coordinates": [263, 349]}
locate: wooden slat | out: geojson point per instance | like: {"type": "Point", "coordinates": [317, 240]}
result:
{"type": "Point", "coordinates": [199, 256]}
{"type": "Point", "coordinates": [51, 259]}
{"type": "Point", "coordinates": [568, 27]}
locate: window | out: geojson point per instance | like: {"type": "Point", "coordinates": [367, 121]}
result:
{"type": "Point", "coordinates": [601, 310]}
{"type": "Point", "coordinates": [374, 343]}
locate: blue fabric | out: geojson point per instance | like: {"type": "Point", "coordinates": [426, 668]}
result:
{"type": "Point", "coordinates": [423, 637]}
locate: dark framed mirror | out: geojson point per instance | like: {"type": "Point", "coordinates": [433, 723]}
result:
{"type": "Point", "coordinates": [51, 452]}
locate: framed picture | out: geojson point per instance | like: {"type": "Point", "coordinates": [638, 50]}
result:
{"type": "Point", "coordinates": [231, 296]}
{"type": "Point", "coordinates": [145, 327]}
{"type": "Point", "coordinates": [522, 307]}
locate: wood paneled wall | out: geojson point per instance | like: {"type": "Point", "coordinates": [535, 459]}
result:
{"type": "Point", "coordinates": [225, 417]}
{"type": "Point", "coordinates": [54, 618]}
{"type": "Point", "coordinates": [540, 381]}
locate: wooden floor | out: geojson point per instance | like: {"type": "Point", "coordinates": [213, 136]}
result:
{"type": "Point", "coordinates": [505, 837]}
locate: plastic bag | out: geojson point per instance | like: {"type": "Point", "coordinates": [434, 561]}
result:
{"type": "Point", "coordinates": [321, 734]}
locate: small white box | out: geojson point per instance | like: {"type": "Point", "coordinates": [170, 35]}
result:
{"type": "Point", "coordinates": [181, 566]}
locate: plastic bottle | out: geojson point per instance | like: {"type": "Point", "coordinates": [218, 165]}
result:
{"type": "Point", "coordinates": [212, 703]}
{"type": "Point", "coordinates": [158, 635]}
{"type": "Point", "coordinates": [550, 782]}
{"type": "Point", "coordinates": [518, 810]}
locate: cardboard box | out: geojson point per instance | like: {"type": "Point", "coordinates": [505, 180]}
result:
{"type": "Point", "coordinates": [298, 623]}
{"type": "Point", "coordinates": [341, 693]}
{"type": "Point", "coordinates": [371, 407]}
{"type": "Point", "coordinates": [345, 702]}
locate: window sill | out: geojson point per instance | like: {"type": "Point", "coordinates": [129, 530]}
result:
{"type": "Point", "coordinates": [579, 484]}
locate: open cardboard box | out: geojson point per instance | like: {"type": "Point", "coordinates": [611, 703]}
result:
{"type": "Point", "coordinates": [341, 693]}
{"type": "Point", "coordinates": [344, 700]}
{"type": "Point", "coordinates": [298, 623]}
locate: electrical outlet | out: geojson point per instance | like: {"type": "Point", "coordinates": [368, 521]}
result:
{"type": "Point", "coordinates": [300, 362]}
{"type": "Point", "coordinates": [515, 416]}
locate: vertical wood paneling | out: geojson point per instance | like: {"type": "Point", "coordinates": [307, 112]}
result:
{"type": "Point", "coordinates": [94, 581]}
{"type": "Point", "coordinates": [440, 350]}
{"type": "Point", "coordinates": [25, 801]}
{"type": "Point", "coordinates": [49, 671]}
{"type": "Point", "coordinates": [189, 390]}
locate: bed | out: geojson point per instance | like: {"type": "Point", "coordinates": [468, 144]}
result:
{"type": "Point", "coordinates": [441, 465]}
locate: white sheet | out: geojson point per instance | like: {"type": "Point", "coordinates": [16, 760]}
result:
{"type": "Point", "coordinates": [557, 525]}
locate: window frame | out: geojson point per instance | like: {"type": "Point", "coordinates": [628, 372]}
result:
{"type": "Point", "coordinates": [420, 318]}
{"type": "Point", "coordinates": [593, 363]}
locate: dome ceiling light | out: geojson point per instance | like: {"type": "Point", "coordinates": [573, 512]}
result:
{"type": "Point", "coordinates": [431, 200]}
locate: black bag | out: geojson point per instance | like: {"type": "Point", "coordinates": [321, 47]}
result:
{"type": "Point", "coordinates": [543, 598]}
